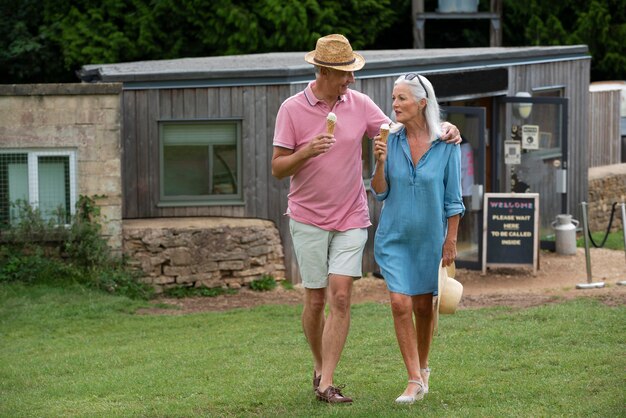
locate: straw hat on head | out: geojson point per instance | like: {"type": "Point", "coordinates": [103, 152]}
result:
{"type": "Point", "coordinates": [334, 51]}
{"type": "Point", "coordinates": [449, 292]}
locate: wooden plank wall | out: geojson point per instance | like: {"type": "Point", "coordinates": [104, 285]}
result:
{"type": "Point", "coordinates": [604, 147]}
{"type": "Point", "coordinates": [143, 109]}
{"type": "Point", "coordinates": [573, 76]}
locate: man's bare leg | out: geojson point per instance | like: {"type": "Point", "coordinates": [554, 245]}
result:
{"type": "Point", "coordinates": [336, 327]}
{"type": "Point", "coordinates": [313, 323]}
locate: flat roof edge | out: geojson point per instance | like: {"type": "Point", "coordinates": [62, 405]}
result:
{"type": "Point", "coordinates": [290, 68]}
{"type": "Point", "coordinates": [60, 89]}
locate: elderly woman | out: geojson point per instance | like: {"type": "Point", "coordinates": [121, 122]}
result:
{"type": "Point", "coordinates": [418, 177]}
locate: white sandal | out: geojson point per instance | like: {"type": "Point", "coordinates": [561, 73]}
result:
{"type": "Point", "coordinates": [408, 399]}
{"type": "Point", "coordinates": [425, 371]}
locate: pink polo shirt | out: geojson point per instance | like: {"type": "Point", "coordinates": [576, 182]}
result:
{"type": "Point", "coordinates": [327, 191]}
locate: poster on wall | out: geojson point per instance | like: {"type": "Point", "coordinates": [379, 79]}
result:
{"type": "Point", "coordinates": [511, 230]}
{"type": "Point", "coordinates": [512, 152]}
{"type": "Point", "coordinates": [530, 136]}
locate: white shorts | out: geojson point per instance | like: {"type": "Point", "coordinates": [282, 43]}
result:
{"type": "Point", "coordinates": [320, 252]}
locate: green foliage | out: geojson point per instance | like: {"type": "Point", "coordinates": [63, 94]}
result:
{"type": "Point", "coordinates": [85, 245]}
{"type": "Point", "coordinates": [47, 40]}
{"type": "Point", "coordinates": [287, 285]}
{"type": "Point", "coordinates": [35, 268]}
{"type": "Point", "coordinates": [37, 251]}
{"type": "Point", "coordinates": [27, 53]}
{"type": "Point", "coordinates": [84, 32]}
{"type": "Point", "coordinates": [185, 292]}
{"type": "Point", "coordinates": [600, 24]}
{"type": "Point", "coordinates": [263, 284]}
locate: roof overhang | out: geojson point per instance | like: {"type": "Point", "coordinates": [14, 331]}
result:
{"type": "Point", "coordinates": [290, 67]}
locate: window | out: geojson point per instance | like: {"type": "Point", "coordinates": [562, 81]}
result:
{"type": "Point", "coordinates": [42, 179]}
{"type": "Point", "coordinates": [200, 163]}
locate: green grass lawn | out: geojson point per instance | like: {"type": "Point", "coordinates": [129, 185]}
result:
{"type": "Point", "coordinates": [75, 352]}
{"type": "Point", "coordinates": [615, 240]}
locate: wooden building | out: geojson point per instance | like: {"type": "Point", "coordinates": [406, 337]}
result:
{"type": "Point", "coordinates": [236, 98]}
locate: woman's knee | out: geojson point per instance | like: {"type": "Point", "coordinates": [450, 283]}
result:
{"type": "Point", "coordinates": [401, 305]}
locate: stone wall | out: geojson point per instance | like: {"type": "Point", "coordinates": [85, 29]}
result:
{"type": "Point", "coordinates": [607, 184]}
{"type": "Point", "coordinates": [211, 252]}
{"type": "Point", "coordinates": [80, 117]}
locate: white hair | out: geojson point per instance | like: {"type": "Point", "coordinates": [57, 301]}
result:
{"type": "Point", "coordinates": [431, 111]}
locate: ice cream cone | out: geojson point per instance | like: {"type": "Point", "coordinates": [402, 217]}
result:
{"type": "Point", "coordinates": [384, 132]}
{"type": "Point", "coordinates": [331, 121]}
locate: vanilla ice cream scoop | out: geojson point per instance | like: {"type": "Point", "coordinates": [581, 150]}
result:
{"type": "Point", "coordinates": [384, 132]}
{"type": "Point", "coordinates": [331, 121]}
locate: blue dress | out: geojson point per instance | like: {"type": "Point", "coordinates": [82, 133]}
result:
{"type": "Point", "coordinates": [414, 218]}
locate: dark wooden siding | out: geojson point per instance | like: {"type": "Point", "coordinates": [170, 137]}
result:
{"type": "Point", "coordinates": [604, 128]}
{"type": "Point", "coordinates": [573, 76]}
{"type": "Point", "coordinates": [143, 109]}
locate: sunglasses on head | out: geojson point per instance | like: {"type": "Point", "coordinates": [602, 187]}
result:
{"type": "Point", "coordinates": [411, 76]}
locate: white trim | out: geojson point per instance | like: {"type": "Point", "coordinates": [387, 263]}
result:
{"type": "Point", "coordinates": [33, 180]}
{"type": "Point", "coordinates": [33, 172]}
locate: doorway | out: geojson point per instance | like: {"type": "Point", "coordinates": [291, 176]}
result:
{"type": "Point", "coordinates": [530, 155]}
{"type": "Point", "coordinates": [471, 121]}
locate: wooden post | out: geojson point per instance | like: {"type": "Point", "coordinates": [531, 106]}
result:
{"type": "Point", "coordinates": [495, 28]}
{"type": "Point", "coordinates": [417, 7]}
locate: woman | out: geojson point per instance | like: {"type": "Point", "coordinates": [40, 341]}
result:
{"type": "Point", "coordinates": [418, 177]}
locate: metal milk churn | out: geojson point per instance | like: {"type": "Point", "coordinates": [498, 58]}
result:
{"type": "Point", "coordinates": [565, 228]}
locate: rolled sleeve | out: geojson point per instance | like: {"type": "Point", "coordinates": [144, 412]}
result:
{"type": "Point", "coordinates": [381, 196]}
{"type": "Point", "coordinates": [453, 200]}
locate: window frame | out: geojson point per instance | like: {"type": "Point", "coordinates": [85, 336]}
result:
{"type": "Point", "coordinates": [236, 199]}
{"type": "Point", "coordinates": [32, 171]}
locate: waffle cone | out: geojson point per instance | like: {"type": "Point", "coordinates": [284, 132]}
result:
{"type": "Point", "coordinates": [330, 126]}
{"type": "Point", "coordinates": [384, 133]}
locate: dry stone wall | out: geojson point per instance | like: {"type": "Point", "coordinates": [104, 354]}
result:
{"type": "Point", "coordinates": [607, 184]}
{"type": "Point", "coordinates": [210, 252]}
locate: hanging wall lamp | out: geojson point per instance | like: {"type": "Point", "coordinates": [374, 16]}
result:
{"type": "Point", "coordinates": [523, 109]}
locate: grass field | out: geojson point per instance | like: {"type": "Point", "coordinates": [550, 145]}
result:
{"type": "Point", "coordinates": [614, 241]}
{"type": "Point", "coordinates": [74, 352]}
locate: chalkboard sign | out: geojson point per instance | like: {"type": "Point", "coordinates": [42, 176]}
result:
{"type": "Point", "coordinates": [510, 230]}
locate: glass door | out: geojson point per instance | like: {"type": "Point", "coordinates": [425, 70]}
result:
{"type": "Point", "coordinates": [530, 155]}
{"type": "Point", "coordinates": [471, 123]}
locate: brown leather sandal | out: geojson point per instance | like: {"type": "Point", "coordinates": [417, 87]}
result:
{"type": "Point", "coordinates": [316, 381]}
{"type": "Point", "coordinates": [332, 394]}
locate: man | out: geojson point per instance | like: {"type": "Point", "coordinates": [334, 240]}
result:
{"type": "Point", "coordinates": [327, 201]}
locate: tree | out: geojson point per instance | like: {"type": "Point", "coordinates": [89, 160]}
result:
{"type": "Point", "coordinates": [27, 53]}
{"type": "Point", "coordinates": [35, 34]}
{"type": "Point", "coordinates": [48, 40]}
{"type": "Point", "coordinates": [600, 24]}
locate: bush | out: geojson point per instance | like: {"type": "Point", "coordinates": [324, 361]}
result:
{"type": "Point", "coordinates": [35, 268]}
{"type": "Point", "coordinates": [263, 284]}
{"type": "Point", "coordinates": [36, 250]}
